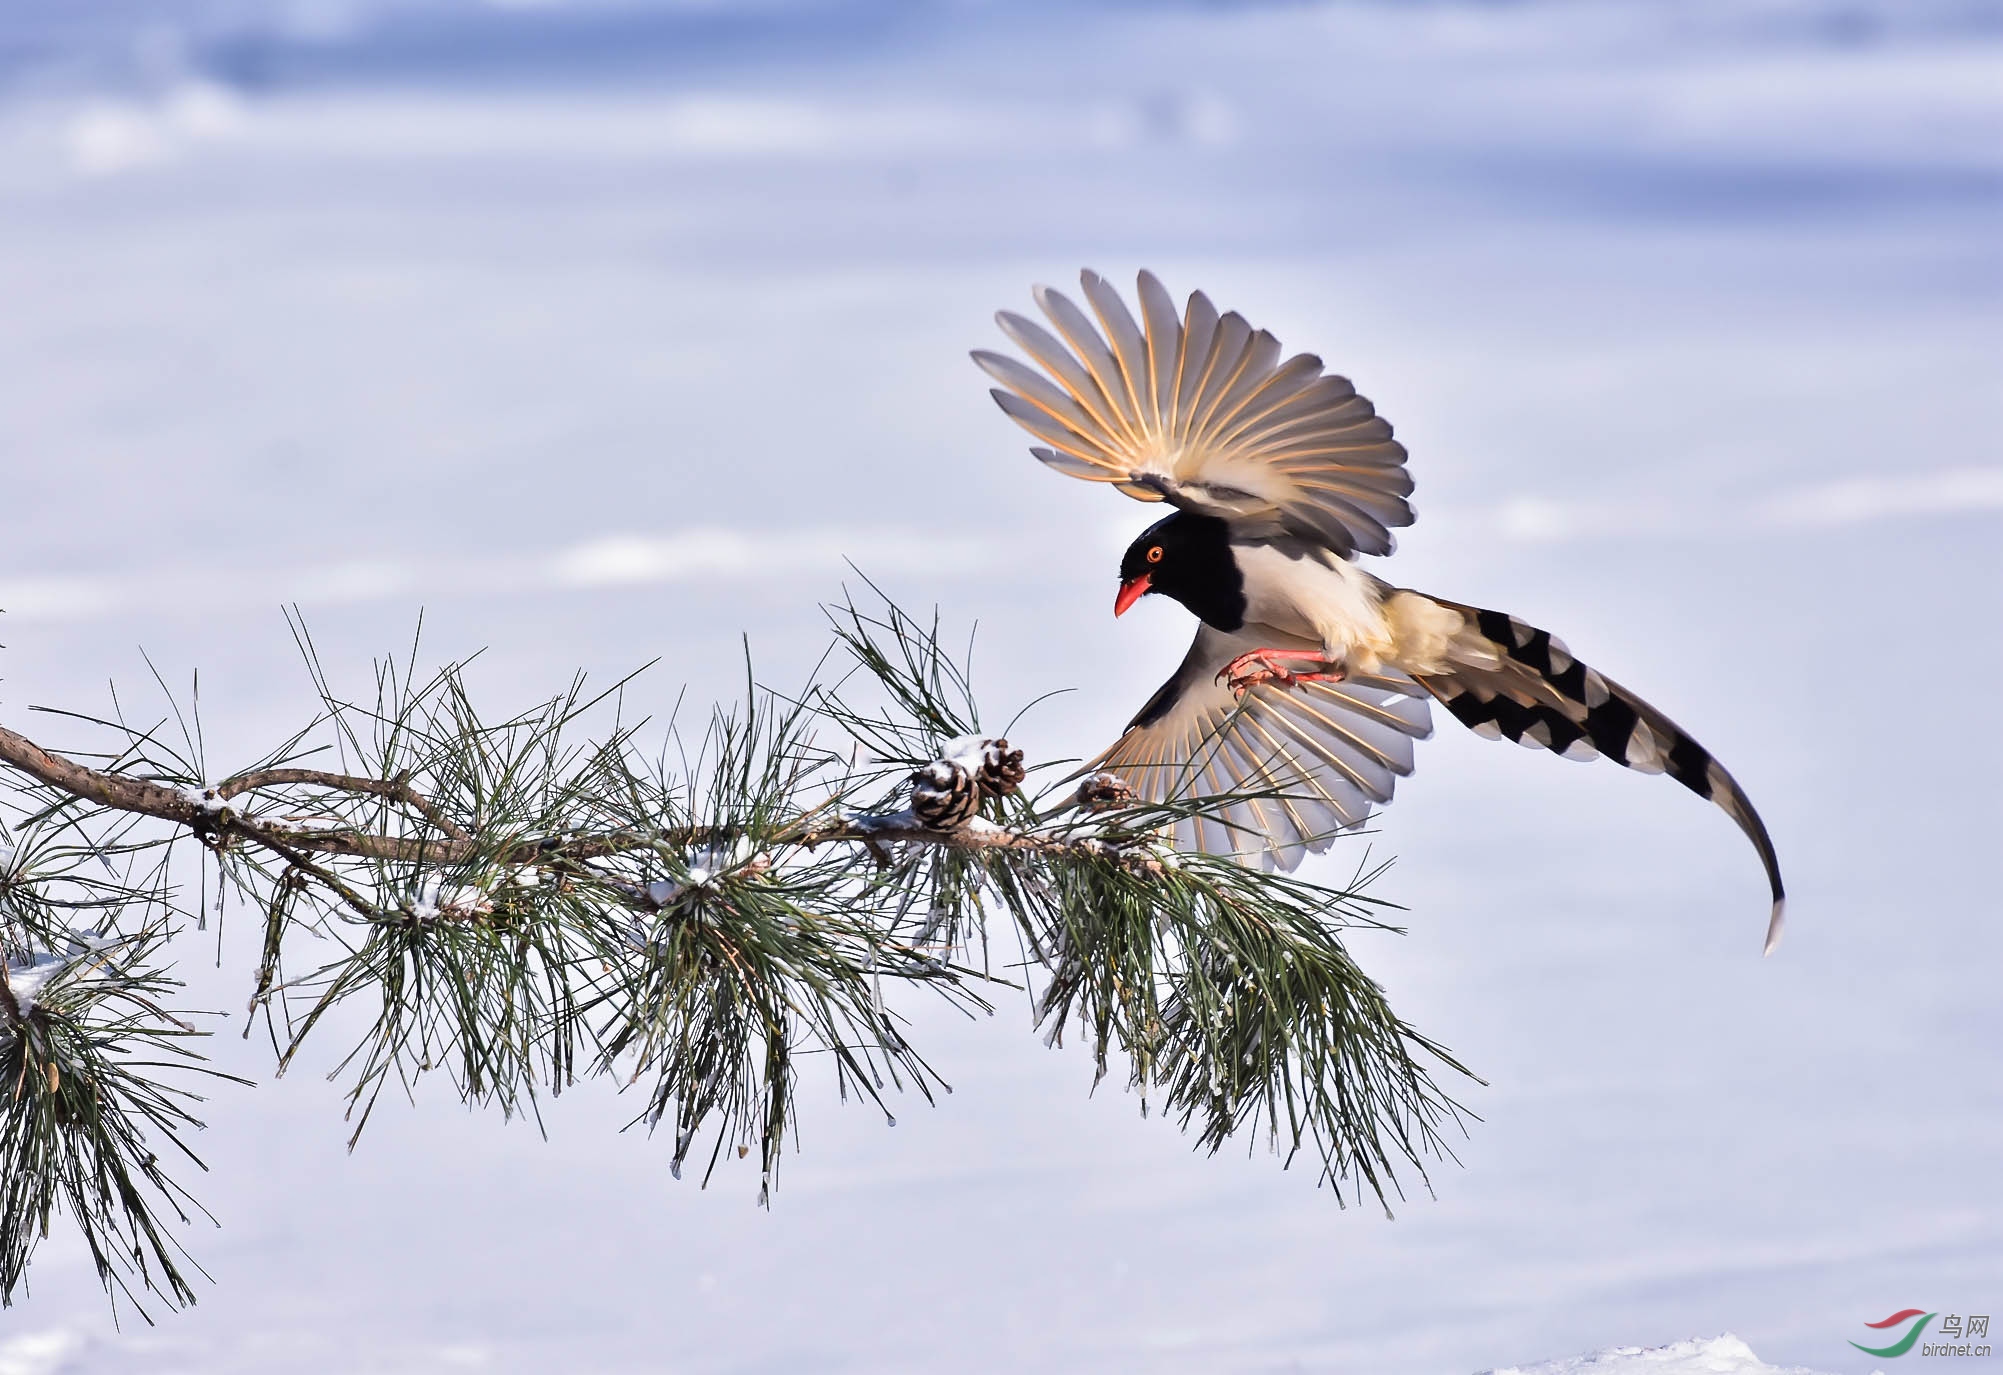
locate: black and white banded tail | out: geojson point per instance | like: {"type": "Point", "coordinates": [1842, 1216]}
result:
{"type": "Point", "coordinates": [1511, 681]}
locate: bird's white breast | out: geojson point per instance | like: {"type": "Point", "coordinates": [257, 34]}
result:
{"type": "Point", "coordinates": [1316, 597]}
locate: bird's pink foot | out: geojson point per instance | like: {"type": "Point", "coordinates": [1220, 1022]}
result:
{"type": "Point", "coordinates": [1265, 666]}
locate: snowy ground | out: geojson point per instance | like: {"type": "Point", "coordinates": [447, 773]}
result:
{"type": "Point", "coordinates": [1725, 1355]}
{"type": "Point", "coordinates": [605, 333]}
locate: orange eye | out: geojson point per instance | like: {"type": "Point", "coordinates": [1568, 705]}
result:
{"type": "Point", "coordinates": [1154, 554]}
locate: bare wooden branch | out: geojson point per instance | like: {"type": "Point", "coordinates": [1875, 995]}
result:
{"type": "Point", "coordinates": [106, 789]}
{"type": "Point", "coordinates": [302, 865]}
{"type": "Point", "coordinates": [397, 789]}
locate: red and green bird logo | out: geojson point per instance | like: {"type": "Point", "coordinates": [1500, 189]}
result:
{"type": "Point", "coordinates": [1903, 1344]}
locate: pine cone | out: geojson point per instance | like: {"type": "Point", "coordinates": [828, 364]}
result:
{"type": "Point", "coordinates": [1001, 771]}
{"type": "Point", "coordinates": [1103, 792]}
{"type": "Point", "coordinates": [944, 795]}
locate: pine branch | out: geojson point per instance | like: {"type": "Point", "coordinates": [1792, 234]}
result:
{"type": "Point", "coordinates": [207, 815]}
{"type": "Point", "coordinates": [523, 902]}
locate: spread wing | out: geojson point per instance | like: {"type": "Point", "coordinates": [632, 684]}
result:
{"type": "Point", "coordinates": [1323, 752]}
{"type": "Point", "coordinates": [1199, 410]}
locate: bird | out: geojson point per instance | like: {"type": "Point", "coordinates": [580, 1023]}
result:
{"type": "Point", "coordinates": [1309, 678]}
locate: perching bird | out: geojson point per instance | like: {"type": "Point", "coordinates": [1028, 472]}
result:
{"type": "Point", "coordinates": [1308, 679]}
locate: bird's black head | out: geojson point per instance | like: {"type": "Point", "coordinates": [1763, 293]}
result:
{"type": "Point", "coordinates": [1186, 557]}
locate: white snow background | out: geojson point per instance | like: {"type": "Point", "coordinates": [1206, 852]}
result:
{"type": "Point", "coordinates": [602, 332]}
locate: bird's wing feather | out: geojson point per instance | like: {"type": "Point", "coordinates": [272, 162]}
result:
{"type": "Point", "coordinates": [1318, 754]}
{"type": "Point", "coordinates": [1200, 410]}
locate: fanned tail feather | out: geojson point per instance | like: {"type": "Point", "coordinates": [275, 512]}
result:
{"type": "Point", "coordinates": [1509, 680]}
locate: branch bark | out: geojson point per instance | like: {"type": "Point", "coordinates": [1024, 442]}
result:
{"type": "Point", "coordinates": [397, 789]}
{"type": "Point", "coordinates": [207, 812]}
{"type": "Point", "coordinates": [106, 789]}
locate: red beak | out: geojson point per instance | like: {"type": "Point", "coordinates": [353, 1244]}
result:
{"type": "Point", "coordinates": [1130, 592]}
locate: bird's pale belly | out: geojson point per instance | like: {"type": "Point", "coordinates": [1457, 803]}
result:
{"type": "Point", "coordinates": [1321, 599]}
{"type": "Point", "coordinates": [1357, 620]}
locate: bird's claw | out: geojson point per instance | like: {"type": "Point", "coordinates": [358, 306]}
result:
{"type": "Point", "coordinates": [1258, 666]}
{"type": "Point", "coordinates": [1242, 683]}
